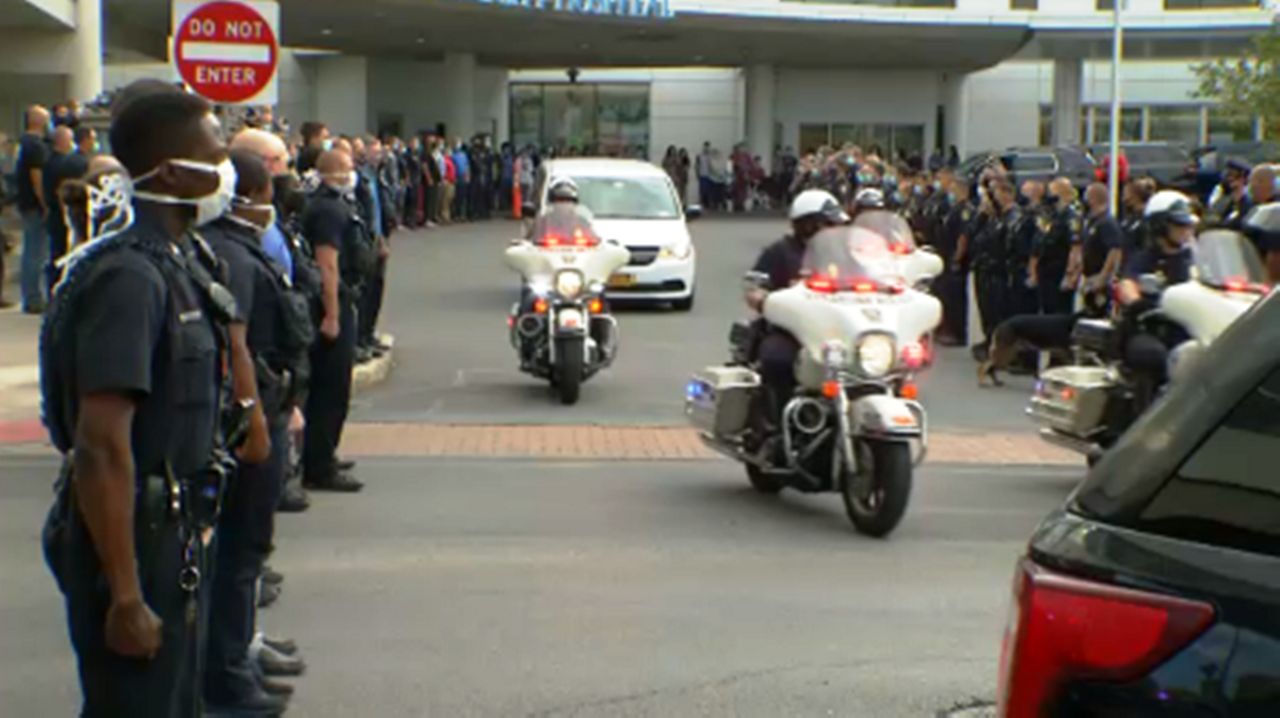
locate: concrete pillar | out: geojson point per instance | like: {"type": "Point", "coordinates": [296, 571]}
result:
{"type": "Point", "coordinates": [460, 94]}
{"type": "Point", "coordinates": [762, 86]}
{"type": "Point", "coordinates": [1068, 84]}
{"type": "Point", "coordinates": [84, 52]}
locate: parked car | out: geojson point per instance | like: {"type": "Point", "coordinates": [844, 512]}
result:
{"type": "Point", "coordinates": [1204, 170]}
{"type": "Point", "coordinates": [1165, 162]}
{"type": "Point", "coordinates": [636, 204]}
{"type": "Point", "coordinates": [1035, 163]}
{"type": "Point", "coordinates": [1155, 591]}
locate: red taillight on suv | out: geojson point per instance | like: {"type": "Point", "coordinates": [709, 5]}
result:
{"type": "Point", "coordinates": [1063, 628]}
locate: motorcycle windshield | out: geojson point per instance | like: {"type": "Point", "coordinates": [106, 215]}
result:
{"type": "Point", "coordinates": [1227, 259]}
{"type": "Point", "coordinates": [870, 247]}
{"type": "Point", "coordinates": [565, 226]}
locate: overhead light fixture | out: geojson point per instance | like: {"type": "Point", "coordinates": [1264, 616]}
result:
{"type": "Point", "coordinates": [421, 41]}
{"type": "Point", "coordinates": [326, 31]}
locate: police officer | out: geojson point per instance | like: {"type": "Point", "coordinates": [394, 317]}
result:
{"type": "Point", "coordinates": [1100, 252]}
{"type": "Point", "coordinates": [1172, 226]}
{"type": "Point", "coordinates": [780, 263]}
{"type": "Point", "coordinates": [1058, 234]}
{"type": "Point", "coordinates": [1229, 200]}
{"type": "Point", "coordinates": [990, 258]}
{"type": "Point", "coordinates": [1137, 193]}
{"type": "Point", "coordinates": [953, 246]}
{"type": "Point", "coordinates": [130, 374]}
{"type": "Point", "coordinates": [344, 252]}
{"type": "Point", "coordinates": [936, 208]}
{"type": "Point", "coordinates": [277, 330]}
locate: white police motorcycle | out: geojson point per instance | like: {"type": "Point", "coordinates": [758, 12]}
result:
{"type": "Point", "coordinates": [562, 328]}
{"type": "Point", "coordinates": [1086, 406]}
{"type": "Point", "coordinates": [863, 323]}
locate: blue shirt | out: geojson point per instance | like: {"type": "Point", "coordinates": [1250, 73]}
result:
{"type": "Point", "coordinates": [463, 165]}
{"type": "Point", "coordinates": [277, 247]}
{"type": "Point", "coordinates": [371, 180]}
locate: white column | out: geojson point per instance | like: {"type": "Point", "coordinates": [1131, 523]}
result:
{"type": "Point", "coordinates": [84, 53]}
{"type": "Point", "coordinates": [1068, 81]}
{"type": "Point", "coordinates": [762, 85]}
{"type": "Point", "coordinates": [460, 94]}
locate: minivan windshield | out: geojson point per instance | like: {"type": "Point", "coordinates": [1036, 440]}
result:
{"type": "Point", "coordinates": [628, 197]}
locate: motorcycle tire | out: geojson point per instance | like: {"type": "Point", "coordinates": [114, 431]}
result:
{"type": "Point", "coordinates": [889, 464]}
{"type": "Point", "coordinates": [762, 482]}
{"type": "Point", "coordinates": [569, 370]}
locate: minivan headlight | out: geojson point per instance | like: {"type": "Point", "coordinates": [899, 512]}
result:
{"type": "Point", "coordinates": [680, 251]}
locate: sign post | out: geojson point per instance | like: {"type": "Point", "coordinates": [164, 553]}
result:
{"type": "Point", "coordinates": [228, 51]}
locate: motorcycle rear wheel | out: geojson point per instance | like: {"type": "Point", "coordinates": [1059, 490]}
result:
{"type": "Point", "coordinates": [889, 467]}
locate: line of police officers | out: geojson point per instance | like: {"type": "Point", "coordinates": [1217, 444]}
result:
{"type": "Point", "coordinates": [175, 352]}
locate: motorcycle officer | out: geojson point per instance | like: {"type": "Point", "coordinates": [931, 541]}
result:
{"type": "Point", "coordinates": [1171, 227]}
{"type": "Point", "coordinates": [811, 212]}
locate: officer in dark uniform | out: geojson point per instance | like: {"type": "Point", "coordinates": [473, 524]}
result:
{"type": "Point", "coordinates": [344, 251]}
{"type": "Point", "coordinates": [1059, 228]}
{"type": "Point", "coordinates": [130, 374]}
{"type": "Point", "coordinates": [278, 333]}
{"type": "Point", "coordinates": [1171, 224]}
{"type": "Point", "coordinates": [1137, 193]}
{"type": "Point", "coordinates": [953, 247]}
{"type": "Point", "coordinates": [1101, 251]}
{"type": "Point", "coordinates": [990, 259]}
{"type": "Point", "coordinates": [936, 209]}
{"type": "Point", "coordinates": [1021, 241]}
{"type": "Point", "coordinates": [781, 262]}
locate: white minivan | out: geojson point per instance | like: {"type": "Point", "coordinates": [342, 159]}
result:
{"type": "Point", "coordinates": [636, 204]}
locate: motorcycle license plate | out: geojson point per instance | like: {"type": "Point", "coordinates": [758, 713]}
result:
{"type": "Point", "coordinates": [622, 281]}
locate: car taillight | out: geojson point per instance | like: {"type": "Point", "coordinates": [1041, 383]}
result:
{"type": "Point", "coordinates": [1063, 628]}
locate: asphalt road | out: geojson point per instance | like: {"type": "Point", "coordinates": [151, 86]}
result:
{"type": "Point", "coordinates": [454, 363]}
{"type": "Point", "coordinates": [483, 588]}
{"type": "Point", "coordinates": [523, 588]}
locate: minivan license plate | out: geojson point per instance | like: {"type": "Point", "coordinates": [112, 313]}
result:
{"type": "Point", "coordinates": [622, 281]}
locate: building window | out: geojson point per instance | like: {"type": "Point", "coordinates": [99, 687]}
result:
{"type": "Point", "coordinates": [1224, 127]}
{"type": "Point", "coordinates": [1024, 5]}
{"type": "Point", "coordinates": [1104, 5]}
{"type": "Point", "coordinates": [1046, 125]}
{"type": "Point", "coordinates": [884, 3]}
{"type": "Point", "coordinates": [1130, 124]}
{"type": "Point", "coordinates": [1209, 4]}
{"type": "Point", "coordinates": [1174, 123]}
{"type": "Point", "coordinates": [891, 141]}
{"type": "Point", "coordinates": [591, 119]}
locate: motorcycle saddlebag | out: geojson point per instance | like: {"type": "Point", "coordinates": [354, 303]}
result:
{"type": "Point", "coordinates": [718, 399]}
{"type": "Point", "coordinates": [1072, 400]}
{"type": "Point", "coordinates": [1097, 336]}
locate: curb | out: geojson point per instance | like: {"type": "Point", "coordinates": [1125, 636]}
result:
{"type": "Point", "coordinates": [375, 371]}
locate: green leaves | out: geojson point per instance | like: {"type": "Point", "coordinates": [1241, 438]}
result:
{"type": "Point", "coordinates": [1248, 85]}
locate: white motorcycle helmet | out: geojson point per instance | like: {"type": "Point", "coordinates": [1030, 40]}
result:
{"type": "Point", "coordinates": [817, 203]}
{"type": "Point", "coordinates": [1172, 206]}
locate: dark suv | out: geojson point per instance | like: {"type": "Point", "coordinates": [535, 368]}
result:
{"type": "Point", "coordinates": [1035, 163]}
{"type": "Point", "coordinates": [1156, 590]}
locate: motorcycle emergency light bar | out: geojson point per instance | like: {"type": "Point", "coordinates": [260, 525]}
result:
{"type": "Point", "coordinates": [1245, 287]}
{"type": "Point", "coordinates": [579, 239]}
{"type": "Point", "coordinates": [828, 285]}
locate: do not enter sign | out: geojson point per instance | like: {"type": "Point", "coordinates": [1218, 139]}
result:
{"type": "Point", "coordinates": [226, 50]}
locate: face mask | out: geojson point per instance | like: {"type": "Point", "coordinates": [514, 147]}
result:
{"type": "Point", "coordinates": [891, 181]}
{"type": "Point", "coordinates": [951, 197]}
{"type": "Point", "coordinates": [347, 185]}
{"type": "Point", "coordinates": [258, 229]}
{"type": "Point", "coordinates": [209, 207]}
{"type": "Point", "coordinates": [326, 145]}
{"type": "Point", "coordinates": [937, 186]}
{"type": "Point", "coordinates": [917, 191]}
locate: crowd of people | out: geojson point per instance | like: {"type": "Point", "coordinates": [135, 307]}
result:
{"type": "Point", "coordinates": [206, 294]}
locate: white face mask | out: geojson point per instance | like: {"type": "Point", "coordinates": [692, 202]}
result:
{"type": "Point", "coordinates": [347, 185]}
{"type": "Point", "coordinates": [209, 207]}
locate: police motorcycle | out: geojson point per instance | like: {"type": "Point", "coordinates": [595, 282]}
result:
{"type": "Point", "coordinates": [862, 320]}
{"type": "Point", "coordinates": [562, 328]}
{"type": "Point", "coordinates": [1086, 406]}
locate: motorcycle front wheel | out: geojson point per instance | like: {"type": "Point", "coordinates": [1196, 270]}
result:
{"type": "Point", "coordinates": [886, 468]}
{"type": "Point", "coordinates": [568, 370]}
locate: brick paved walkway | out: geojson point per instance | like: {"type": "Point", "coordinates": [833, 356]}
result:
{"type": "Point", "coordinates": [645, 443]}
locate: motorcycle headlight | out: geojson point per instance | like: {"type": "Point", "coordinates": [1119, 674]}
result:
{"type": "Point", "coordinates": [680, 251]}
{"type": "Point", "coordinates": [569, 283]}
{"type": "Point", "coordinates": [875, 355]}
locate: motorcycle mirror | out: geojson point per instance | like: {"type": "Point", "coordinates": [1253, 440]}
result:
{"type": "Point", "coordinates": [692, 212]}
{"type": "Point", "coordinates": [755, 280]}
{"type": "Point", "coordinates": [1151, 284]}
